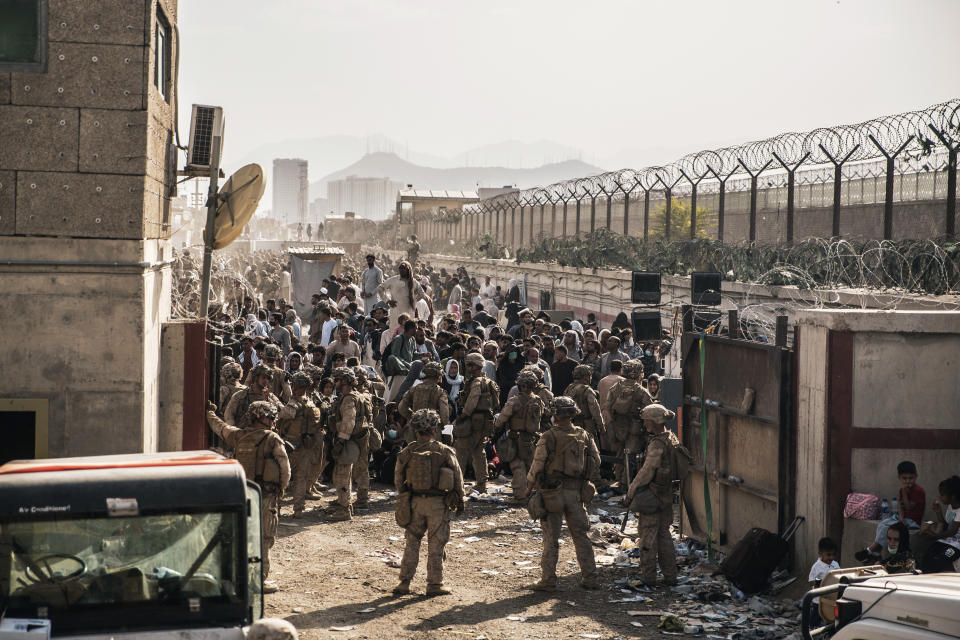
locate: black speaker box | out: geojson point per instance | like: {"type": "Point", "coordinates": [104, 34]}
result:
{"type": "Point", "coordinates": [705, 288]}
{"type": "Point", "coordinates": [646, 326]}
{"type": "Point", "coordinates": [645, 287]}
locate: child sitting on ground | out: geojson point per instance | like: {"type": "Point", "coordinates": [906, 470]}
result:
{"type": "Point", "coordinates": [911, 503]}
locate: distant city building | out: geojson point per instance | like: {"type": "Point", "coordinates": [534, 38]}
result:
{"type": "Point", "coordinates": [492, 192]}
{"type": "Point", "coordinates": [372, 198]}
{"type": "Point", "coordinates": [319, 208]}
{"type": "Point", "coordinates": [290, 190]}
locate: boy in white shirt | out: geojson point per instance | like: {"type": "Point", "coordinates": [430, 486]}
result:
{"type": "Point", "coordinates": [826, 562]}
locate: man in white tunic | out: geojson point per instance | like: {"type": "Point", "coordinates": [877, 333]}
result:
{"type": "Point", "coordinates": [402, 293]}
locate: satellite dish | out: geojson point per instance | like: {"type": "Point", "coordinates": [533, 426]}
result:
{"type": "Point", "coordinates": [237, 201]}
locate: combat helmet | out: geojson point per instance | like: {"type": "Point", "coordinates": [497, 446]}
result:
{"type": "Point", "coordinates": [424, 420]}
{"type": "Point", "coordinates": [475, 359]}
{"type": "Point", "coordinates": [261, 409]}
{"type": "Point", "coordinates": [271, 352]}
{"type": "Point", "coordinates": [582, 371]}
{"type": "Point", "coordinates": [632, 369]}
{"type": "Point", "coordinates": [527, 379]}
{"type": "Point", "coordinates": [433, 370]}
{"type": "Point", "coordinates": [260, 369]}
{"type": "Point", "coordinates": [231, 371]}
{"type": "Point", "coordinates": [535, 370]}
{"type": "Point", "coordinates": [658, 413]}
{"type": "Point", "coordinates": [301, 379]}
{"type": "Point", "coordinates": [345, 374]}
{"type": "Point", "coordinates": [565, 406]}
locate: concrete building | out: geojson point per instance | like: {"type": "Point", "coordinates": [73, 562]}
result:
{"type": "Point", "coordinates": [371, 198]}
{"type": "Point", "coordinates": [290, 190]}
{"type": "Point", "coordinates": [86, 175]}
{"type": "Point", "coordinates": [319, 209]}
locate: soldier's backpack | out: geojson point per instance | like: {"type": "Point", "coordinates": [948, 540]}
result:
{"type": "Point", "coordinates": [623, 400]}
{"type": "Point", "coordinates": [680, 460]}
{"type": "Point", "coordinates": [255, 464]}
{"type": "Point", "coordinates": [423, 470]}
{"type": "Point", "coordinates": [570, 455]}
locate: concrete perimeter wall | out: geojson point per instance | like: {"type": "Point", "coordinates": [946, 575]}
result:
{"type": "Point", "coordinates": [875, 388]}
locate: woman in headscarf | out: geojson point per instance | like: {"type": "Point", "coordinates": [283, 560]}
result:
{"type": "Point", "coordinates": [621, 321]}
{"type": "Point", "coordinates": [294, 362]}
{"type": "Point", "coordinates": [896, 556]}
{"type": "Point", "coordinates": [451, 383]}
{"type": "Point", "coordinates": [571, 340]}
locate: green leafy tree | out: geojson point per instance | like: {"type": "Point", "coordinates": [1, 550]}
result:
{"type": "Point", "coordinates": [680, 220]}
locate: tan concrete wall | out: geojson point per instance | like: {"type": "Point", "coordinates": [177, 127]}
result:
{"type": "Point", "coordinates": [88, 338]}
{"type": "Point", "coordinates": [607, 292]}
{"type": "Point", "coordinates": [811, 441]}
{"type": "Point", "coordinates": [170, 436]}
{"type": "Point", "coordinates": [904, 377]}
{"type": "Point", "coordinates": [85, 179]}
{"type": "Point", "coordinates": [88, 141]}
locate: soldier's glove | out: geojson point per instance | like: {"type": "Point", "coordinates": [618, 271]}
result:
{"type": "Point", "coordinates": [211, 406]}
{"type": "Point", "coordinates": [461, 505]}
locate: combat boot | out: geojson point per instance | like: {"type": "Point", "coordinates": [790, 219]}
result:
{"type": "Point", "coordinates": [402, 588]}
{"type": "Point", "coordinates": [340, 514]}
{"type": "Point", "coordinates": [437, 590]}
{"type": "Point", "coordinates": [362, 501]}
{"type": "Point", "coordinates": [543, 585]}
{"type": "Point", "coordinates": [590, 583]}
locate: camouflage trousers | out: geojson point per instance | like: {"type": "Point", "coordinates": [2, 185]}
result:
{"type": "Point", "coordinates": [343, 482]}
{"type": "Point", "coordinates": [361, 470]}
{"type": "Point", "coordinates": [428, 515]}
{"type": "Point", "coordinates": [578, 524]}
{"type": "Point", "coordinates": [472, 449]}
{"type": "Point", "coordinates": [303, 462]}
{"type": "Point", "coordinates": [269, 520]}
{"type": "Point", "coordinates": [655, 543]}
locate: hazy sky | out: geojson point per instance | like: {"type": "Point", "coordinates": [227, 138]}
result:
{"type": "Point", "coordinates": [603, 76]}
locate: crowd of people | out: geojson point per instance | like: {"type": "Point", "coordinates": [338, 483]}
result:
{"type": "Point", "coordinates": [445, 362]}
{"type": "Point", "coordinates": [437, 382]}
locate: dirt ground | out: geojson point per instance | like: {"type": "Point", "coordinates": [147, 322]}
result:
{"type": "Point", "coordinates": [335, 574]}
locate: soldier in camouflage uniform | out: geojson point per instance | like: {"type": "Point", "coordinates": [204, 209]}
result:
{"type": "Point", "coordinates": [429, 485]}
{"type": "Point", "coordinates": [257, 389]}
{"type": "Point", "coordinates": [545, 395]}
{"type": "Point", "coordinates": [361, 469]}
{"type": "Point", "coordinates": [300, 426]}
{"type": "Point", "coordinates": [325, 406]}
{"type": "Point", "coordinates": [426, 395]}
{"type": "Point", "coordinates": [564, 464]}
{"type": "Point", "coordinates": [522, 415]}
{"type": "Point", "coordinates": [626, 433]}
{"type": "Point", "coordinates": [278, 377]}
{"type": "Point", "coordinates": [478, 398]}
{"type": "Point", "coordinates": [261, 452]}
{"type": "Point", "coordinates": [348, 429]}
{"type": "Point", "coordinates": [657, 474]}
{"type": "Point", "coordinates": [589, 417]}
{"type": "Point", "coordinates": [230, 374]}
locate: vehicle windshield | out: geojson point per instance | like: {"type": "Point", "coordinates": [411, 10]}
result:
{"type": "Point", "coordinates": [71, 564]}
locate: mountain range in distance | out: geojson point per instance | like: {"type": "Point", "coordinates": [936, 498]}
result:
{"type": "Point", "coordinates": [510, 162]}
{"type": "Point", "coordinates": [389, 165]}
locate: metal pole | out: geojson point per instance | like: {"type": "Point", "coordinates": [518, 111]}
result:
{"type": "Point", "coordinates": [646, 214]}
{"type": "Point", "coordinates": [626, 212]}
{"type": "Point", "coordinates": [211, 218]}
